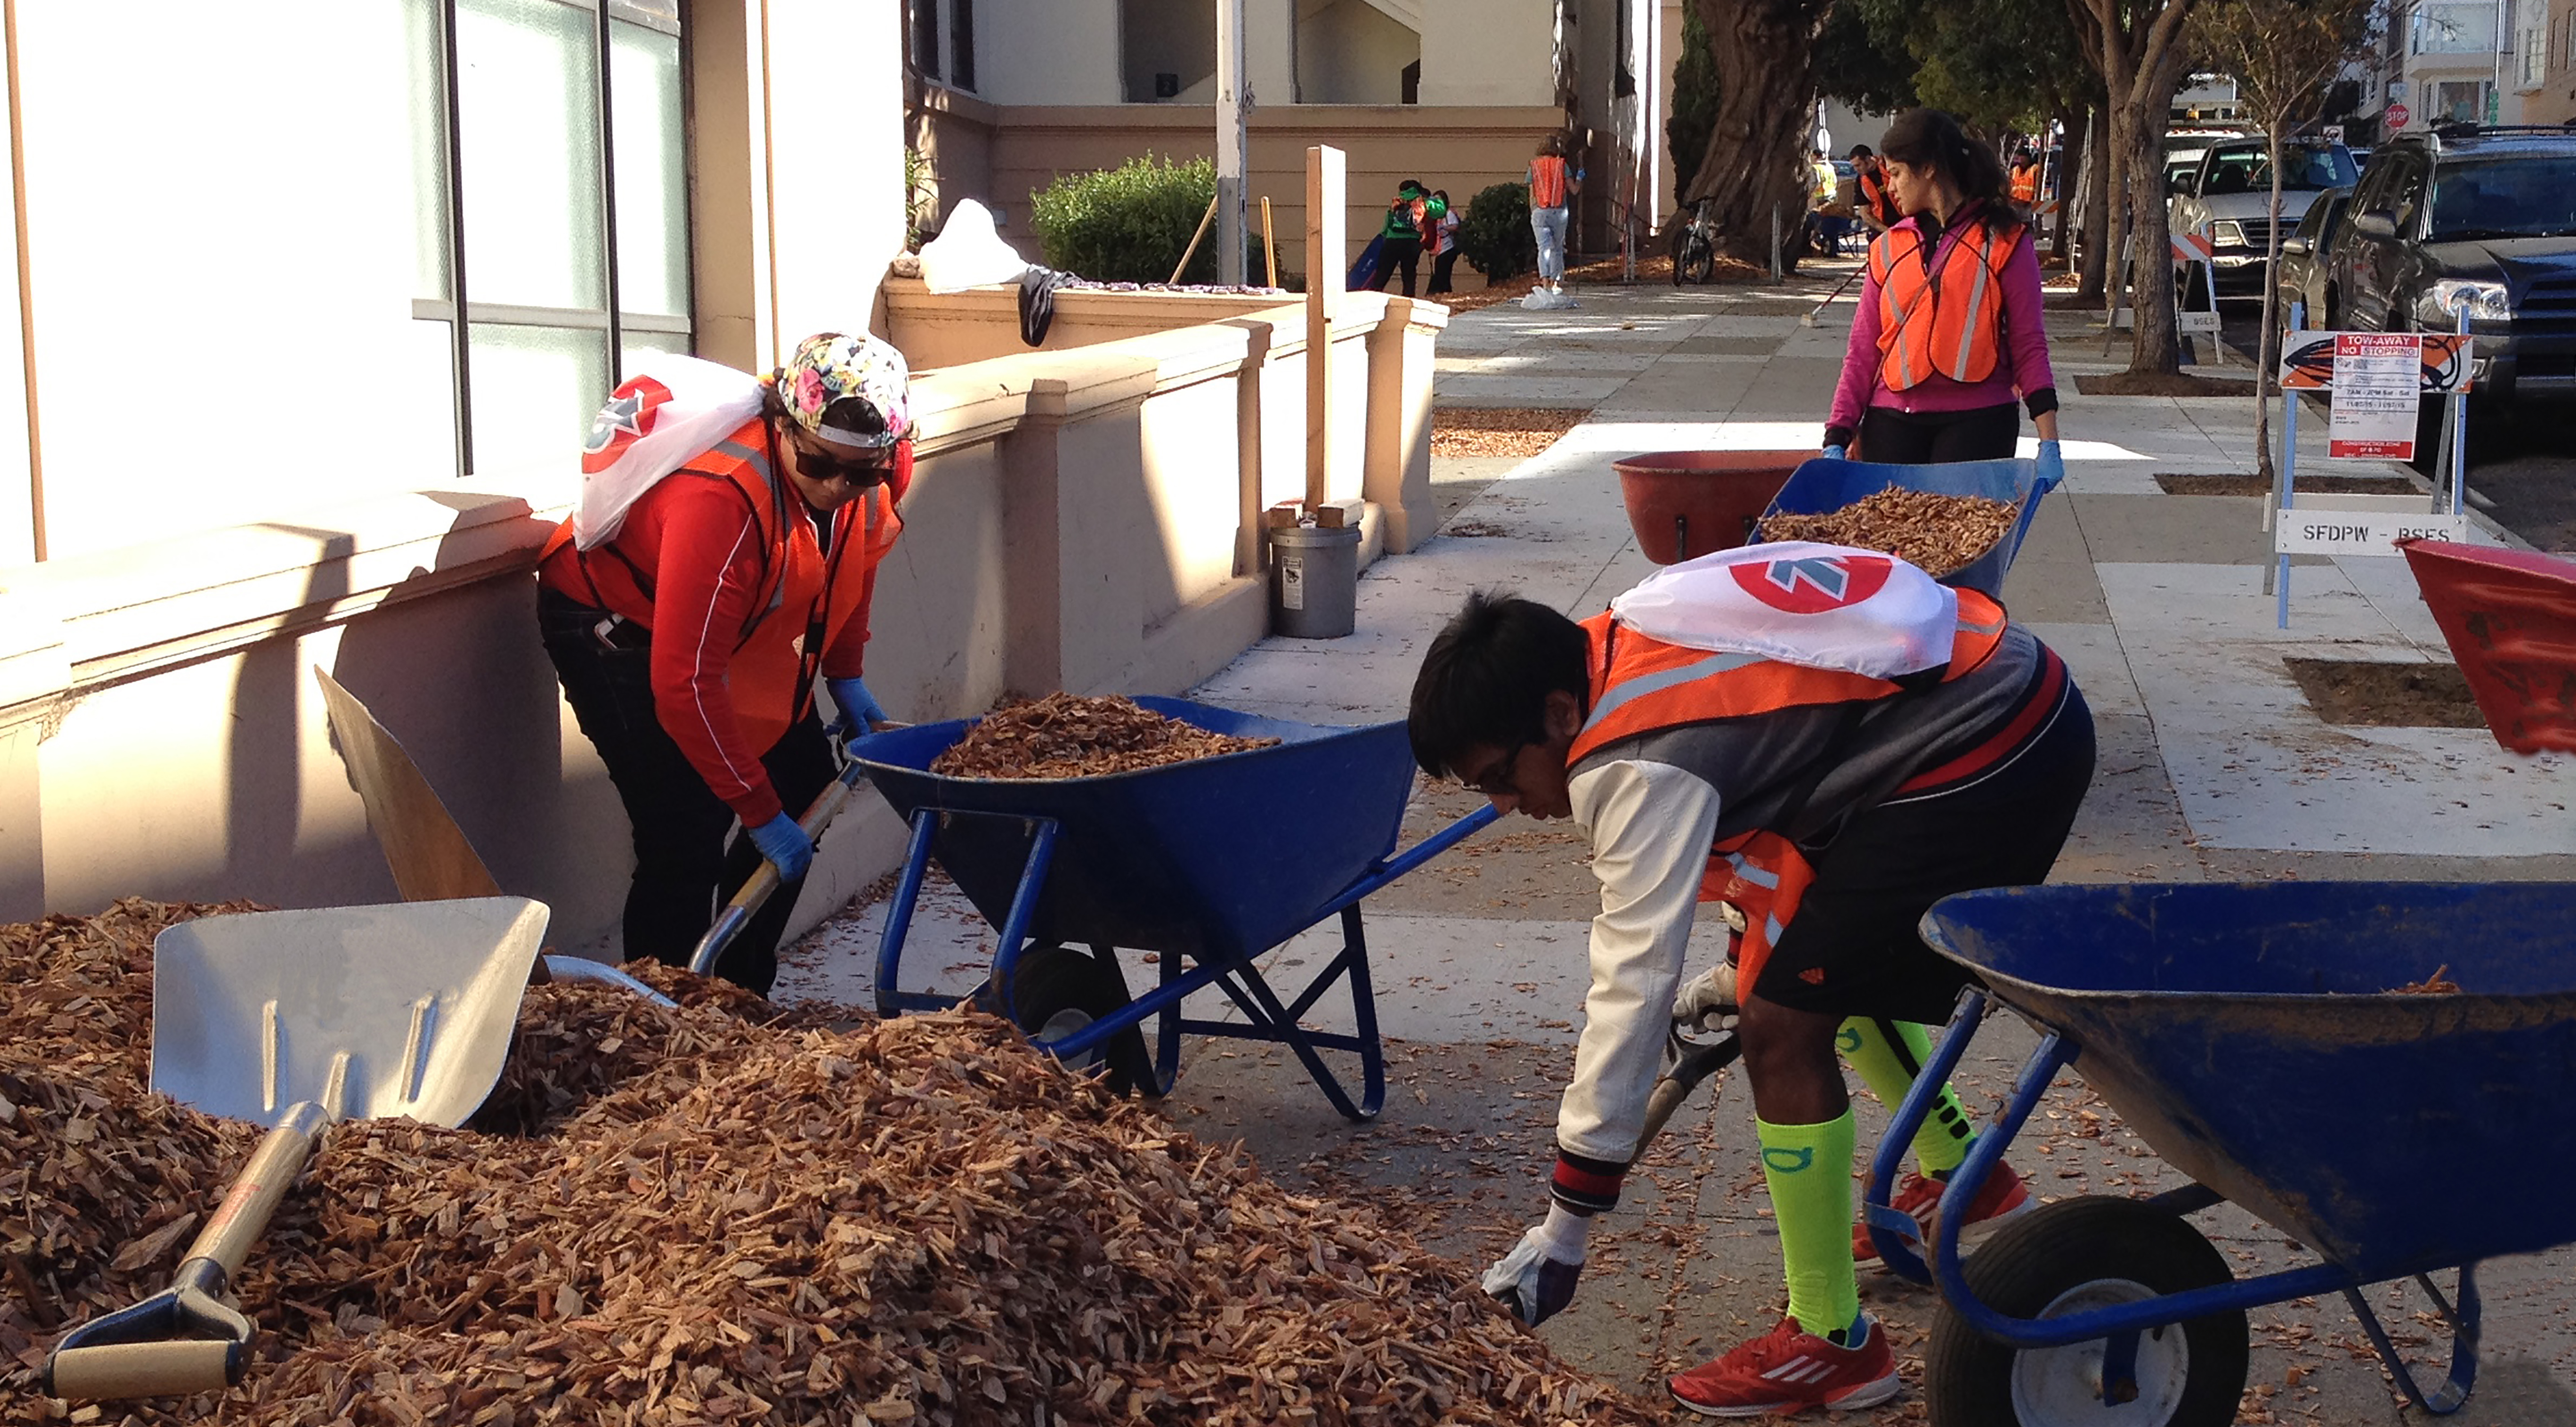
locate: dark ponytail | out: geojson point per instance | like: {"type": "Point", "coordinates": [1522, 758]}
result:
{"type": "Point", "coordinates": [1929, 138]}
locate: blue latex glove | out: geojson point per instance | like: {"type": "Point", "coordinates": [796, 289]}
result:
{"type": "Point", "coordinates": [860, 710]}
{"type": "Point", "coordinates": [784, 843]}
{"type": "Point", "coordinates": [1536, 1279]}
{"type": "Point", "coordinates": [1835, 453]}
{"type": "Point", "coordinates": [2052, 466]}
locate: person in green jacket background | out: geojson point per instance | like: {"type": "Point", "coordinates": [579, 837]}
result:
{"type": "Point", "coordinates": [1400, 240]}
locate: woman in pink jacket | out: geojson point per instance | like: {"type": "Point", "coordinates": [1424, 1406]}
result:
{"type": "Point", "coordinates": [1948, 345]}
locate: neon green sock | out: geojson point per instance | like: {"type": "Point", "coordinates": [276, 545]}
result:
{"type": "Point", "coordinates": [1888, 1068]}
{"type": "Point", "coordinates": [1809, 1168]}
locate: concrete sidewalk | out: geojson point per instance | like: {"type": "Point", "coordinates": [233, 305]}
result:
{"type": "Point", "coordinates": [2212, 767]}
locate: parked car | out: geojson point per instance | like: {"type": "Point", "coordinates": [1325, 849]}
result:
{"type": "Point", "coordinates": [2303, 254]}
{"type": "Point", "coordinates": [2185, 148]}
{"type": "Point", "coordinates": [2481, 220]}
{"type": "Point", "coordinates": [2227, 201]}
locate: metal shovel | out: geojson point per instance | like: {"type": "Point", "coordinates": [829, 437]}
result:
{"type": "Point", "coordinates": [294, 1020]}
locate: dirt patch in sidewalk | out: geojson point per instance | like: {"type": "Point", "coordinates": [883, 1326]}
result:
{"type": "Point", "coordinates": [2160, 384]}
{"type": "Point", "coordinates": [2379, 694]}
{"type": "Point", "coordinates": [2241, 483]}
{"type": "Point", "coordinates": [1519, 432]}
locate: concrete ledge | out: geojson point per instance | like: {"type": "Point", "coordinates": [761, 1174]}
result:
{"type": "Point", "coordinates": [126, 614]}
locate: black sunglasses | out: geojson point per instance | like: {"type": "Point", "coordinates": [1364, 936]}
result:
{"type": "Point", "coordinates": [860, 474]}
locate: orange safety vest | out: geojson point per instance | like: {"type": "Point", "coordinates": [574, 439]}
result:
{"type": "Point", "coordinates": [1548, 177]}
{"type": "Point", "coordinates": [1940, 321]}
{"type": "Point", "coordinates": [808, 597]}
{"type": "Point", "coordinates": [1641, 685]}
{"type": "Point", "coordinates": [2025, 183]}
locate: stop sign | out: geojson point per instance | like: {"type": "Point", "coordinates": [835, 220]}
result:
{"type": "Point", "coordinates": [2397, 116]}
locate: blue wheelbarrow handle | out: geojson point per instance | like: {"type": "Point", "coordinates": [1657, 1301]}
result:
{"type": "Point", "coordinates": [747, 902]}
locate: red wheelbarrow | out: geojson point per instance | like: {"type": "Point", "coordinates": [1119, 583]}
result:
{"type": "Point", "coordinates": [2510, 619]}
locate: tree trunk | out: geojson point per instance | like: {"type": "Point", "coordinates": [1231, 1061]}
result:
{"type": "Point", "coordinates": [2097, 205]}
{"type": "Point", "coordinates": [2267, 347]}
{"type": "Point", "coordinates": [2115, 212]}
{"type": "Point", "coordinates": [1766, 89]}
{"type": "Point", "coordinates": [2158, 347]}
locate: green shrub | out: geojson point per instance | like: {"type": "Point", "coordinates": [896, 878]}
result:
{"type": "Point", "coordinates": [1127, 224]}
{"type": "Point", "coordinates": [1494, 234]}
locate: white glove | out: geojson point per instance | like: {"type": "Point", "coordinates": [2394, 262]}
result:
{"type": "Point", "coordinates": [1707, 1001]}
{"type": "Point", "coordinates": [1536, 1279]}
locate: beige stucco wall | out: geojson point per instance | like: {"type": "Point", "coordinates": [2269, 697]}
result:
{"type": "Point", "coordinates": [1488, 52]}
{"type": "Point", "coordinates": [1349, 52]}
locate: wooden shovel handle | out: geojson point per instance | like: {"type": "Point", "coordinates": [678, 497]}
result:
{"type": "Point", "coordinates": [115, 1371]}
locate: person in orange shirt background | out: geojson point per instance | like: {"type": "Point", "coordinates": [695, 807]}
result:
{"type": "Point", "coordinates": [1553, 181]}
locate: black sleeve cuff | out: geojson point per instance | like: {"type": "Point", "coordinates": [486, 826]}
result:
{"type": "Point", "coordinates": [1842, 435]}
{"type": "Point", "coordinates": [1586, 1186]}
{"type": "Point", "coordinates": [2041, 402]}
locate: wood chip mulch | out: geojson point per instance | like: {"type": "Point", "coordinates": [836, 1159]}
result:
{"type": "Point", "coordinates": [1069, 736]}
{"type": "Point", "coordinates": [1518, 432]}
{"type": "Point", "coordinates": [728, 1217]}
{"type": "Point", "coordinates": [1938, 533]}
{"type": "Point", "coordinates": [2436, 984]}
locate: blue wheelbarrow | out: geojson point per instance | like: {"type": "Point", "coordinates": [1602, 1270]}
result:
{"type": "Point", "coordinates": [1208, 864]}
{"type": "Point", "coordinates": [1825, 483]}
{"type": "Point", "coordinates": [2250, 1035]}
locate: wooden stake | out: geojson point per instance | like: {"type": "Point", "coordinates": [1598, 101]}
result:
{"type": "Point", "coordinates": [1192, 250]}
{"type": "Point", "coordinates": [1269, 241]}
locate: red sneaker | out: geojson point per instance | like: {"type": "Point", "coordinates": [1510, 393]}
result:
{"type": "Point", "coordinates": [1790, 1370]}
{"type": "Point", "coordinates": [2000, 1197]}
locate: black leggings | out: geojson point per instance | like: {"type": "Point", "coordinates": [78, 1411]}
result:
{"type": "Point", "coordinates": [1922, 438]}
{"type": "Point", "coordinates": [683, 865]}
{"type": "Point", "coordinates": [1397, 255]}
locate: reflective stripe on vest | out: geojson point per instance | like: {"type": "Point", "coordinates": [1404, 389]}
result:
{"type": "Point", "coordinates": [1943, 317]}
{"type": "Point", "coordinates": [1641, 685]}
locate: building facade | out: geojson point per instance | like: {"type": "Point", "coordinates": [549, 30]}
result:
{"type": "Point", "coordinates": [2551, 99]}
{"type": "Point", "coordinates": [314, 305]}
{"type": "Point", "coordinates": [1453, 92]}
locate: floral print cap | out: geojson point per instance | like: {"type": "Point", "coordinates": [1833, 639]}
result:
{"type": "Point", "coordinates": [829, 366]}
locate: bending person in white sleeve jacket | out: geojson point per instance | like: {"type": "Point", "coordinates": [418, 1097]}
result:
{"type": "Point", "coordinates": [1832, 742]}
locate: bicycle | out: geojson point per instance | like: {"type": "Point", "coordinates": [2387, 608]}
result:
{"type": "Point", "coordinates": [1694, 245]}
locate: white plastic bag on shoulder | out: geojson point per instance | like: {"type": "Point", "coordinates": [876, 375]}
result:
{"type": "Point", "coordinates": [1799, 602]}
{"type": "Point", "coordinates": [654, 424]}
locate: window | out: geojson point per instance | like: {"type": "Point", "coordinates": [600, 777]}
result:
{"type": "Point", "coordinates": [2455, 29]}
{"type": "Point", "coordinates": [552, 184]}
{"type": "Point", "coordinates": [2534, 58]}
{"type": "Point", "coordinates": [954, 64]}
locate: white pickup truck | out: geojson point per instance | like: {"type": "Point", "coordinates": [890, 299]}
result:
{"type": "Point", "coordinates": [2226, 201]}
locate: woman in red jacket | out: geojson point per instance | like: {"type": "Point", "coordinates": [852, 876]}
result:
{"type": "Point", "coordinates": [688, 641]}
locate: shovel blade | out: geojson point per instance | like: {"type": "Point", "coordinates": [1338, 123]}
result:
{"type": "Point", "coordinates": [368, 1011]}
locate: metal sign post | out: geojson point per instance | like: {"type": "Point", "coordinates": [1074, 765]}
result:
{"type": "Point", "coordinates": [2365, 525]}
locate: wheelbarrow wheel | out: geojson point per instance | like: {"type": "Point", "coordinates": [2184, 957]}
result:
{"type": "Point", "coordinates": [1056, 991]}
{"type": "Point", "coordinates": [2072, 1256]}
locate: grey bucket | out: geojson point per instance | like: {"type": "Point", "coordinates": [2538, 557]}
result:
{"type": "Point", "coordinates": [1314, 581]}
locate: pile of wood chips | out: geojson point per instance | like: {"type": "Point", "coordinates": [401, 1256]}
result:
{"type": "Point", "coordinates": [1068, 736]}
{"type": "Point", "coordinates": [724, 1214]}
{"type": "Point", "coordinates": [1938, 533]}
